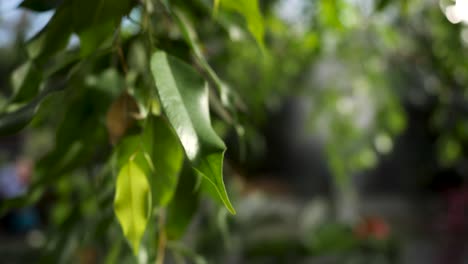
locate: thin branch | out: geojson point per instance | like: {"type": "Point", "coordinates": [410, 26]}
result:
{"type": "Point", "coordinates": [162, 238]}
{"type": "Point", "coordinates": [122, 59]}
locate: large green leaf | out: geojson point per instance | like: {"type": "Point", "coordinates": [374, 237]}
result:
{"type": "Point", "coordinates": [184, 98]}
{"type": "Point", "coordinates": [166, 155]}
{"type": "Point", "coordinates": [132, 202]}
{"type": "Point", "coordinates": [250, 10]}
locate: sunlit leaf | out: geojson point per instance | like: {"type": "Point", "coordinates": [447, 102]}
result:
{"type": "Point", "coordinates": [184, 99]}
{"type": "Point", "coordinates": [132, 202]}
{"type": "Point", "coordinates": [329, 13]}
{"type": "Point", "coordinates": [215, 7]}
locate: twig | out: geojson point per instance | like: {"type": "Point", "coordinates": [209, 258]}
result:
{"type": "Point", "coordinates": [122, 58]}
{"type": "Point", "coordinates": [162, 238]}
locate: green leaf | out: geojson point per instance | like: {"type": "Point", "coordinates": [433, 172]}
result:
{"type": "Point", "coordinates": [381, 5]}
{"type": "Point", "coordinates": [250, 10]}
{"type": "Point", "coordinates": [126, 148]}
{"type": "Point", "coordinates": [95, 21]}
{"type": "Point", "coordinates": [54, 37]}
{"type": "Point", "coordinates": [40, 5]}
{"type": "Point", "coordinates": [72, 150]}
{"type": "Point", "coordinates": [229, 98]}
{"type": "Point", "coordinates": [183, 206]}
{"type": "Point", "coordinates": [330, 14]}
{"type": "Point", "coordinates": [132, 202]}
{"type": "Point", "coordinates": [215, 7]}
{"type": "Point", "coordinates": [31, 197]}
{"type": "Point", "coordinates": [191, 38]}
{"type": "Point", "coordinates": [12, 122]}
{"type": "Point", "coordinates": [25, 81]}
{"type": "Point", "coordinates": [184, 99]}
{"type": "Point", "coordinates": [449, 150]}
{"type": "Point", "coordinates": [62, 63]}
{"type": "Point", "coordinates": [167, 157]}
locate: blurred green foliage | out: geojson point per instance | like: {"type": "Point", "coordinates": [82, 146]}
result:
{"type": "Point", "coordinates": [359, 64]}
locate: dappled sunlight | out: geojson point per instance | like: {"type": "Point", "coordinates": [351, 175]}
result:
{"type": "Point", "coordinates": [457, 12]}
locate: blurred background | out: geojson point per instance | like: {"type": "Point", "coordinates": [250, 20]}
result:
{"type": "Point", "coordinates": [352, 147]}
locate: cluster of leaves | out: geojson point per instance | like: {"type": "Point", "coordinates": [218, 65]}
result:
{"type": "Point", "coordinates": [130, 110]}
{"type": "Point", "coordinates": [128, 91]}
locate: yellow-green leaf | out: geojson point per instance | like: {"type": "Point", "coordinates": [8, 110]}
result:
{"type": "Point", "coordinates": [215, 7]}
{"type": "Point", "coordinates": [132, 202]}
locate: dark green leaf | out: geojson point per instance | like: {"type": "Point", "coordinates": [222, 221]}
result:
{"type": "Point", "coordinates": [62, 63]}
{"type": "Point", "coordinates": [96, 37]}
{"type": "Point", "coordinates": [40, 5]}
{"type": "Point", "coordinates": [167, 157]}
{"type": "Point", "coordinates": [33, 195]}
{"type": "Point", "coordinates": [71, 149]}
{"type": "Point", "coordinates": [12, 122]}
{"type": "Point", "coordinates": [25, 82]}
{"type": "Point", "coordinates": [381, 4]}
{"type": "Point", "coordinates": [54, 37]}
{"type": "Point", "coordinates": [183, 206]}
{"type": "Point", "coordinates": [126, 148]}
{"type": "Point", "coordinates": [191, 38]}
{"type": "Point", "coordinates": [184, 98]}
{"type": "Point", "coordinates": [95, 21]}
